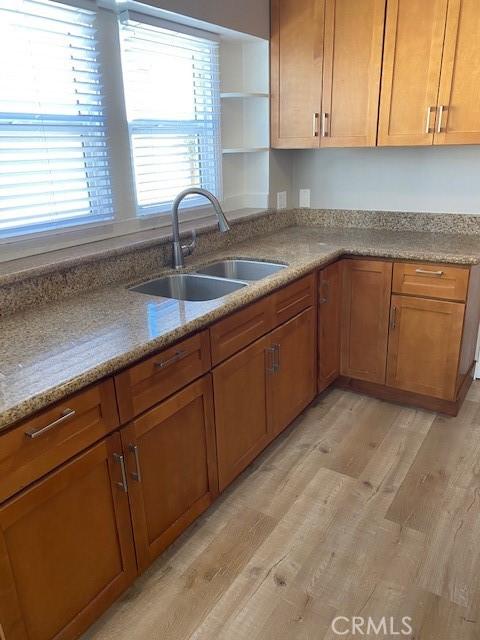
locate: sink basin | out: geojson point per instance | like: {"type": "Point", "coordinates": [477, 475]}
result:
{"type": "Point", "coordinates": [241, 269]}
{"type": "Point", "coordinates": [191, 287]}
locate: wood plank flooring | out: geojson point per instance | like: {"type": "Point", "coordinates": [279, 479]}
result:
{"type": "Point", "coordinates": [361, 508]}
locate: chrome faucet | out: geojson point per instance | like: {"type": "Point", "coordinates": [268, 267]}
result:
{"type": "Point", "coordinates": [182, 250]}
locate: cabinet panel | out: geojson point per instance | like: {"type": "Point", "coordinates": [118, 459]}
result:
{"type": "Point", "coordinates": [329, 317]}
{"type": "Point", "coordinates": [414, 35]}
{"type": "Point", "coordinates": [365, 316]}
{"type": "Point", "coordinates": [351, 72]}
{"type": "Point", "coordinates": [292, 385]}
{"type": "Point", "coordinates": [240, 393]}
{"type": "Point", "coordinates": [296, 72]}
{"type": "Point", "coordinates": [171, 463]}
{"type": "Point", "coordinates": [459, 96]}
{"type": "Point", "coordinates": [66, 551]}
{"type": "Point", "coordinates": [424, 346]}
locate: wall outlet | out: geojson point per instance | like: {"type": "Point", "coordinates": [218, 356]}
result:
{"type": "Point", "coordinates": [304, 198]}
{"type": "Point", "coordinates": [282, 200]}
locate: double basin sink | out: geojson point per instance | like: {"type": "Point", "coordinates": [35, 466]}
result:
{"type": "Point", "coordinates": [210, 282]}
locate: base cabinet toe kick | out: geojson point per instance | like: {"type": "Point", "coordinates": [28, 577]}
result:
{"type": "Point", "coordinates": [95, 487]}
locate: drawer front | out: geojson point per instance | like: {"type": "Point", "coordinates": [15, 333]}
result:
{"type": "Point", "coordinates": [38, 445]}
{"type": "Point", "coordinates": [240, 329]}
{"type": "Point", "coordinates": [441, 281]}
{"type": "Point", "coordinates": [145, 384]}
{"type": "Point", "coordinates": [291, 300]}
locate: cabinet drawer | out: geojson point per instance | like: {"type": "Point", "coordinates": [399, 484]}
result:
{"type": "Point", "coordinates": [291, 300]}
{"type": "Point", "coordinates": [38, 445]}
{"type": "Point", "coordinates": [143, 385]}
{"type": "Point", "coordinates": [240, 329]}
{"type": "Point", "coordinates": [442, 281]}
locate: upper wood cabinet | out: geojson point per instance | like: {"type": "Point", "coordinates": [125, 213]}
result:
{"type": "Point", "coordinates": [351, 72]}
{"type": "Point", "coordinates": [431, 73]}
{"type": "Point", "coordinates": [325, 72]}
{"type": "Point", "coordinates": [365, 317]}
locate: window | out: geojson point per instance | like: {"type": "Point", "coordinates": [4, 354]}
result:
{"type": "Point", "coordinates": [171, 82]}
{"type": "Point", "coordinates": [54, 164]}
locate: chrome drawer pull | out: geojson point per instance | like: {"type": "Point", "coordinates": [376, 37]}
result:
{"type": "Point", "coordinates": [324, 125]}
{"type": "Point", "coordinates": [429, 273]}
{"type": "Point", "coordinates": [271, 368]}
{"type": "Point", "coordinates": [315, 125]}
{"type": "Point", "coordinates": [136, 475]}
{"type": "Point", "coordinates": [441, 109]}
{"type": "Point", "coordinates": [276, 363]}
{"type": "Point", "coordinates": [393, 318]}
{"type": "Point", "coordinates": [119, 459]}
{"type": "Point", "coordinates": [427, 121]}
{"type": "Point", "coordinates": [36, 433]}
{"type": "Point", "coordinates": [163, 364]}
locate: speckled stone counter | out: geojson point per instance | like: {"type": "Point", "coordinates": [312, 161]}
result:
{"type": "Point", "coordinates": [58, 348]}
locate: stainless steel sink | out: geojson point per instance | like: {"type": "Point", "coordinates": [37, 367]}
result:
{"type": "Point", "coordinates": [241, 269]}
{"type": "Point", "coordinates": [190, 287]}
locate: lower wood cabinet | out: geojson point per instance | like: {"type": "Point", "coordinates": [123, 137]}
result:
{"type": "Point", "coordinates": [66, 549]}
{"type": "Point", "coordinates": [292, 386]}
{"type": "Point", "coordinates": [329, 315]}
{"type": "Point", "coordinates": [171, 467]}
{"type": "Point", "coordinates": [424, 346]}
{"type": "Point", "coordinates": [365, 317]}
{"type": "Point", "coordinates": [240, 392]}
{"type": "Point", "coordinates": [260, 390]}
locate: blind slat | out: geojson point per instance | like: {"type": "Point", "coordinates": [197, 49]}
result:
{"type": "Point", "coordinates": [54, 156]}
{"type": "Point", "coordinates": [171, 84]}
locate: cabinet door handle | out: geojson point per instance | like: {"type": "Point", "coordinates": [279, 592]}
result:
{"type": "Point", "coordinates": [66, 415]}
{"type": "Point", "coordinates": [441, 109]}
{"type": "Point", "coordinates": [426, 272]}
{"type": "Point", "coordinates": [324, 289]}
{"type": "Point", "coordinates": [276, 361]}
{"type": "Point", "coordinates": [324, 125]}
{"type": "Point", "coordinates": [315, 125]}
{"type": "Point", "coordinates": [163, 364]}
{"type": "Point", "coordinates": [393, 318]}
{"type": "Point", "coordinates": [428, 129]}
{"type": "Point", "coordinates": [119, 459]}
{"type": "Point", "coordinates": [271, 359]}
{"type": "Point", "coordinates": [137, 474]}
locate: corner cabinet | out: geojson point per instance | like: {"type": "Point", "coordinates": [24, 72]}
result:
{"type": "Point", "coordinates": [329, 318]}
{"type": "Point", "coordinates": [66, 549]}
{"type": "Point", "coordinates": [431, 71]}
{"type": "Point", "coordinates": [326, 60]}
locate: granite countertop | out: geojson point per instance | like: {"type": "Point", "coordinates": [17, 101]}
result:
{"type": "Point", "coordinates": [53, 350]}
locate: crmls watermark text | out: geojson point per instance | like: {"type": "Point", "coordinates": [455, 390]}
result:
{"type": "Point", "coordinates": [357, 625]}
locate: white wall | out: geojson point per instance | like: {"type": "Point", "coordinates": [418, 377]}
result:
{"type": "Point", "coordinates": [247, 16]}
{"type": "Point", "coordinates": [434, 179]}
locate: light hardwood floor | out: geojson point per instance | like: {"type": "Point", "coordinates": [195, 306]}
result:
{"type": "Point", "coordinates": [361, 508]}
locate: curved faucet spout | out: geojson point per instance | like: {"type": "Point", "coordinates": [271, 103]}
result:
{"type": "Point", "coordinates": [179, 250]}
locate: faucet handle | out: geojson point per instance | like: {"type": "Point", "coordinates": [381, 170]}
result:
{"type": "Point", "coordinates": [187, 249]}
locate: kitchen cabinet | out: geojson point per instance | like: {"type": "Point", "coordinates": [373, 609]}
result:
{"type": "Point", "coordinates": [458, 115]}
{"type": "Point", "coordinates": [365, 317]}
{"type": "Point", "coordinates": [326, 58]}
{"type": "Point", "coordinates": [292, 386]}
{"type": "Point", "coordinates": [66, 549]}
{"type": "Point", "coordinates": [424, 346]}
{"type": "Point", "coordinates": [351, 72]}
{"type": "Point", "coordinates": [240, 397]}
{"type": "Point", "coordinates": [171, 467]}
{"type": "Point", "coordinates": [296, 54]}
{"type": "Point", "coordinates": [329, 314]}
{"type": "Point", "coordinates": [431, 71]}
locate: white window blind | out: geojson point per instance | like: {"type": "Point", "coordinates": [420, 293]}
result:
{"type": "Point", "coordinates": [171, 82]}
{"type": "Point", "coordinates": [54, 165]}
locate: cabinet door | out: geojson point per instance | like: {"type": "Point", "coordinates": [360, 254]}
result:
{"type": "Point", "coordinates": [296, 72]}
{"type": "Point", "coordinates": [458, 119]}
{"type": "Point", "coordinates": [424, 346]}
{"type": "Point", "coordinates": [365, 314]}
{"type": "Point", "coordinates": [329, 314]}
{"type": "Point", "coordinates": [414, 34]}
{"type": "Point", "coordinates": [171, 462]}
{"type": "Point", "coordinates": [66, 551]}
{"type": "Point", "coordinates": [351, 72]}
{"type": "Point", "coordinates": [240, 392]}
{"type": "Point", "coordinates": [293, 384]}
